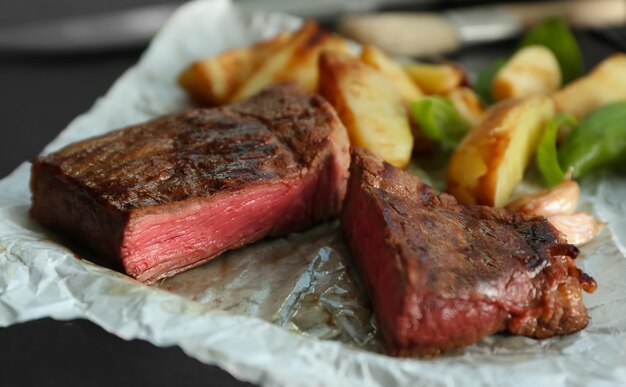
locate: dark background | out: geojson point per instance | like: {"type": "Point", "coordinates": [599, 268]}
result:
{"type": "Point", "coordinates": [39, 96]}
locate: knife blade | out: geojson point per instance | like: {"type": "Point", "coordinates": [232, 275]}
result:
{"type": "Point", "coordinates": [136, 26]}
{"type": "Point", "coordinates": [423, 34]}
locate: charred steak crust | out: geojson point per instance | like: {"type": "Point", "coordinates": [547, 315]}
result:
{"type": "Point", "coordinates": [207, 180]}
{"type": "Point", "coordinates": [442, 275]}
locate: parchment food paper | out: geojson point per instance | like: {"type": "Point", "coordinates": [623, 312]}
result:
{"type": "Point", "coordinates": [288, 311]}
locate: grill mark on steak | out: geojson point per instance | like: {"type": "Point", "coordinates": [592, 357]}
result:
{"type": "Point", "coordinates": [442, 275]}
{"type": "Point", "coordinates": [270, 165]}
{"type": "Point", "coordinates": [177, 157]}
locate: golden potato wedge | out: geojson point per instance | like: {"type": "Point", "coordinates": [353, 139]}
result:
{"type": "Point", "coordinates": [435, 78]}
{"type": "Point", "coordinates": [533, 70]}
{"type": "Point", "coordinates": [491, 159]}
{"type": "Point", "coordinates": [212, 81]}
{"type": "Point", "coordinates": [606, 83]}
{"type": "Point", "coordinates": [296, 61]}
{"type": "Point", "coordinates": [370, 107]}
{"type": "Point", "coordinates": [467, 104]}
{"type": "Point", "coordinates": [408, 90]}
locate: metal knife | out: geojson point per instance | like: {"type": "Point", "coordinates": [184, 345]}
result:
{"type": "Point", "coordinates": [135, 27]}
{"type": "Point", "coordinates": [420, 34]}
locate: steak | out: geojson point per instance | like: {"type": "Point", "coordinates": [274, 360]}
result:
{"type": "Point", "coordinates": [443, 275]}
{"type": "Point", "coordinates": [167, 195]}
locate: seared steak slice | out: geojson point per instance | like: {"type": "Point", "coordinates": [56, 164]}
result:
{"type": "Point", "coordinates": [169, 194]}
{"type": "Point", "coordinates": [442, 275]}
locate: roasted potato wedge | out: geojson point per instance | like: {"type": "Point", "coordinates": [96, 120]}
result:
{"type": "Point", "coordinates": [408, 90]}
{"type": "Point", "coordinates": [606, 83]}
{"type": "Point", "coordinates": [369, 105]}
{"type": "Point", "coordinates": [533, 70]}
{"type": "Point", "coordinates": [213, 81]}
{"type": "Point", "coordinates": [491, 159]}
{"type": "Point", "coordinates": [435, 78]}
{"type": "Point", "coordinates": [467, 104]}
{"type": "Point", "coordinates": [296, 61]}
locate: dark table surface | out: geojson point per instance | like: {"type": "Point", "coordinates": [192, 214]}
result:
{"type": "Point", "coordinates": [39, 96]}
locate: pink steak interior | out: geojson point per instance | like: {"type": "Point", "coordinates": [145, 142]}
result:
{"type": "Point", "coordinates": [160, 244]}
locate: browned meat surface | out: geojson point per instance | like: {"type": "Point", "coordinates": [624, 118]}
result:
{"type": "Point", "coordinates": [442, 275]}
{"type": "Point", "coordinates": [169, 194]}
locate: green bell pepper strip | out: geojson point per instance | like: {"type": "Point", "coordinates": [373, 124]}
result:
{"type": "Point", "coordinates": [440, 121]}
{"type": "Point", "coordinates": [546, 156]}
{"type": "Point", "coordinates": [599, 140]}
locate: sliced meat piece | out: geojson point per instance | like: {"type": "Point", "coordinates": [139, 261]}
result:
{"type": "Point", "coordinates": [167, 195]}
{"type": "Point", "coordinates": [442, 275]}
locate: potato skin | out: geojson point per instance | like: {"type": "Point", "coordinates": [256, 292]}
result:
{"type": "Point", "coordinates": [606, 83]}
{"type": "Point", "coordinates": [533, 70]}
{"type": "Point", "coordinates": [369, 106]}
{"type": "Point", "coordinates": [437, 79]}
{"type": "Point", "coordinates": [296, 61]}
{"type": "Point", "coordinates": [239, 73]}
{"type": "Point", "coordinates": [468, 104]}
{"type": "Point", "coordinates": [374, 57]}
{"type": "Point", "coordinates": [491, 160]}
{"type": "Point", "coordinates": [212, 81]}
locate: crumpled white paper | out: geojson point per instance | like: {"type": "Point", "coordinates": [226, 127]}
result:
{"type": "Point", "coordinates": [40, 277]}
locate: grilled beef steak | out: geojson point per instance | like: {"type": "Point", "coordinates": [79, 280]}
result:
{"type": "Point", "coordinates": [167, 195]}
{"type": "Point", "coordinates": [442, 275]}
